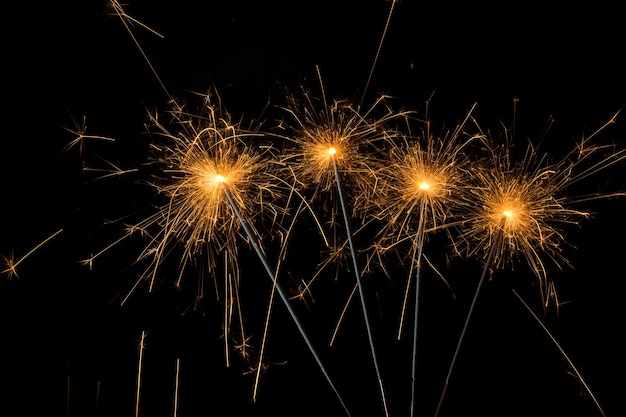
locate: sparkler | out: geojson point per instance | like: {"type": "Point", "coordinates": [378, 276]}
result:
{"type": "Point", "coordinates": [533, 196]}
{"type": "Point", "coordinates": [334, 144]}
{"type": "Point", "coordinates": [215, 183]}
{"type": "Point", "coordinates": [219, 183]}
{"type": "Point", "coordinates": [425, 180]}
{"type": "Point", "coordinates": [520, 209]}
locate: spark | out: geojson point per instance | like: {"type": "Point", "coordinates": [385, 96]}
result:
{"type": "Point", "coordinates": [427, 169]}
{"type": "Point", "coordinates": [129, 22]}
{"type": "Point", "coordinates": [219, 182]}
{"type": "Point", "coordinates": [423, 182]}
{"type": "Point", "coordinates": [80, 131]}
{"type": "Point", "coordinates": [332, 148]}
{"type": "Point", "coordinates": [562, 351]}
{"type": "Point", "coordinates": [533, 200]}
{"type": "Point", "coordinates": [520, 208]}
{"type": "Point", "coordinates": [320, 134]}
{"type": "Point", "coordinates": [378, 50]}
{"type": "Point", "coordinates": [195, 154]}
{"type": "Point", "coordinates": [12, 264]}
{"type": "Point", "coordinates": [142, 346]}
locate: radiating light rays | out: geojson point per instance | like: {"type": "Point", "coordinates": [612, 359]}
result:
{"type": "Point", "coordinates": [534, 198]}
{"type": "Point", "coordinates": [518, 210]}
{"type": "Point", "coordinates": [333, 148]}
{"type": "Point", "coordinates": [428, 170]}
{"type": "Point", "coordinates": [217, 182]}
{"type": "Point", "coordinates": [327, 142]}
{"type": "Point", "coordinates": [196, 164]}
{"type": "Point", "coordinates": [320, 133]}
{"type": "Point", "coordinates": [423, 182]}
{"type": "Point", "coordinates": [205, 202]}
{"type": "Point", "coordinates": [195, 156]}
{"type": "Point", "coordinates": [117, 9]}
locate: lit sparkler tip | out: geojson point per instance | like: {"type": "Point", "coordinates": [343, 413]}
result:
{"type": "Point", "coordinates": [220, 179]}
{"type": "Point", "coordinates": [332, 150]}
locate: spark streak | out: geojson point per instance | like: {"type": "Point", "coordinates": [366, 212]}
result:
{"type": "Point", "coordinates": [142, 346]}
{"type": "Point", "coordinates": [423, 183]}
{"type": "Point", "coordinates": [518, 208]}
{"type": "Point", "coordinates": [11, 264]}
{"type": "Point", "coordinates": [533, 194]}
{"type": "Point", "coordinates": [333, 138]}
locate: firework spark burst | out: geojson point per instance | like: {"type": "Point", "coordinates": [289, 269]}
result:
{"type": "Point", "coordinates": [530, 202]}
{"type": "Point", "coordinates": [195, 156]}
{"type": "Point", "coordinates": [519, 209]}
{"type": "Point", "coordinates": [422, 183]}
{"type": "Point", "coordinates": [320, 134]}
{"type": "Point", "coordinates": [333, 148]}
{"type": "Point", "coordinates": [220, 185]}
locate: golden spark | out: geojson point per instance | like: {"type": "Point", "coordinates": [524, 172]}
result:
{"type": "Point", "coordinates": [531, 202]}
{"type": "Point", "coordinates": [195, 158]}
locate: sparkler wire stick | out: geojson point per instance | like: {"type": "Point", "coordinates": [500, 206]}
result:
{"type": "Point", "coordinates": [567, 358]}
{"type": "Point", "coordinates": [281, 292]}
{"type": "Point", "coordinates": [490, 256]}
{"type": "Point", "coordinates": [418, 280]}
{"type": "Point", "coordinates": [358, 280]}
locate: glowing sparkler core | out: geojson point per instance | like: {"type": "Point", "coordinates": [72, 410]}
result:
{"type": "Point", "coordinates": [424, 184]}
{"type": "Point", "coordinates": [510, 214]}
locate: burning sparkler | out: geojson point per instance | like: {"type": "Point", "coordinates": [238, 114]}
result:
{"type": "Point", "coordinates": [333, 149]}
{"type": "Point", "coordinates": [521, 208]}
{"type": "Point", "coordinates": [221, 185]}
{"type": "Point", "coordinates": [424, 182]}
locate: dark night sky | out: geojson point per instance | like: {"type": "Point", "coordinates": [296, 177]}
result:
{"type": "Point", "coordinates": [69, 60]}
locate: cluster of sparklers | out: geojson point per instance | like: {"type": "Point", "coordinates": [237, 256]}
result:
{"type": "Point", "coordinates": [224, 185]}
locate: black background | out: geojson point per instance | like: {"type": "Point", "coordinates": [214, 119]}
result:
{"type": "Point", "coordinates": [62, 324]}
